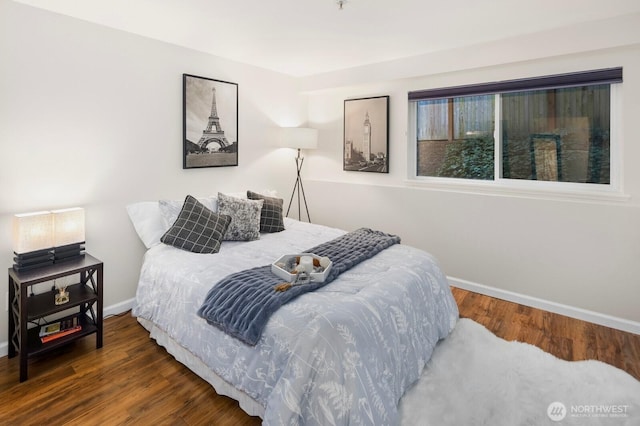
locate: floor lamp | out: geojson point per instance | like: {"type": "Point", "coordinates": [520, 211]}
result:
{"type": "Point", "coordinates": [299, 138]}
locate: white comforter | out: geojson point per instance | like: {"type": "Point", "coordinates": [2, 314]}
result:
{"type": "Point", "coordinates": [344, 354]}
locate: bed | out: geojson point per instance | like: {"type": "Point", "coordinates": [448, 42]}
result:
{"type": "Point", "coordinates": [342, 354]}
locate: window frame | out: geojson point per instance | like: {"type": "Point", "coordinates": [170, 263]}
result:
{"type": "Point", "coordinates": [521, 187]}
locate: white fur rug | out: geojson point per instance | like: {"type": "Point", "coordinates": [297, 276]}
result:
{"type": "Point", "coordinates": [476, 378]}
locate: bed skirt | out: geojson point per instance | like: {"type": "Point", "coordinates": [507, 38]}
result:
{"type": "Point", "coordinates": [222, 387]}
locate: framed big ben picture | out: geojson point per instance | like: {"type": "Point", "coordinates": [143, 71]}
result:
{"type": "Point", "coordinates": [366, 134]}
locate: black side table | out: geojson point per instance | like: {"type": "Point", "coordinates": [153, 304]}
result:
{"type": "Point", "coordinates": [85, 303]}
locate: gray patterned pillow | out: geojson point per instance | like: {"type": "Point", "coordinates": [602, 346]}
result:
{"type": "Point", "coordinates": [271, 219]}
{"type": "Point", "coordinates": [197, 228]}
{"type": "Point", "coordinates": [245, 217]}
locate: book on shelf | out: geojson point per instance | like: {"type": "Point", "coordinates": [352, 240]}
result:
{"type": "Point", "coordinates": [58, 326]}
{"type": "Point", "coordinates": [54, 336]}
{"type": "Point", "coordinates": [59, 329]}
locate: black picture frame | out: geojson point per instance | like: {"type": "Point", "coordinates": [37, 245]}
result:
{"type": "Point", "coordinates": [366, 134]}
{"type": "Point", "coordinates": [209, 122]}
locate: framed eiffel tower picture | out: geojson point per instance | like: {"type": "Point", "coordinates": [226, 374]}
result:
{"type": "Point", "coordinates": [210, 122]}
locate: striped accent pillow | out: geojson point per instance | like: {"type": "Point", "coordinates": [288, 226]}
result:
{"type": "Point", "coordinates": [197, 229]}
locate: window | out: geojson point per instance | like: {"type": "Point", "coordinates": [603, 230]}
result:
{"type": "Point", "coordinates": [455, 137]}
{"type": "Point", "coordinates": [554, 128]}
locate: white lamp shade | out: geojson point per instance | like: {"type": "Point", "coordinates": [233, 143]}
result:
{"type": "Point", "coordinates": [32, 232]}
{"type": "Point", "coordinates": [298, 137]}
{"type": "Point", "coordinates": [68, 226]}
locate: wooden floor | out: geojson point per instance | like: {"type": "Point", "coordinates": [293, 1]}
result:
{"type": "Point", "coordinates": [131, 380]}
{"type": "Point", "coordinates": [564, 337]}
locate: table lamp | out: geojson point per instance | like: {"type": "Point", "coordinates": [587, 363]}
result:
{"type": "Point", "coordinates": [32, 240]}
{"type": "Point", "coordinates": [68, 235]}
{"type": "Point", "coordinates": [47, 237]}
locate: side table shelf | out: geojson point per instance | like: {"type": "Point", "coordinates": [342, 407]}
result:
{"type": "Point", "coordinates": [36, 347]}
{"type": "Point", "coordinates": [85, 303]}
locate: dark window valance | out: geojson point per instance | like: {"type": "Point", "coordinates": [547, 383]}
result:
{"type": "Point", "coordinates": [584, 78]}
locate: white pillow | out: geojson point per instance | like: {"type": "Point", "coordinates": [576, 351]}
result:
{"type": "Point", "coordinates": [147, 221]}
{"type": "Point", "coordinates": [151, 219]}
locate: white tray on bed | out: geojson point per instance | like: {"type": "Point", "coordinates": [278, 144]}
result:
{"type": "Point", "coordinates": [277, 268]}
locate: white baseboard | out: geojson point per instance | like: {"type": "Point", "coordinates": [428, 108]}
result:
{"type": "Point", "coordinates": [557, 308]}
{"type": "Point", "coordinates": [116, 309]}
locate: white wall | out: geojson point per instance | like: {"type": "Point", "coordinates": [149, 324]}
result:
{"type": "Point", "coordinates": [92, 117]}
{"type": "Point", "coordinates": [580, 253]}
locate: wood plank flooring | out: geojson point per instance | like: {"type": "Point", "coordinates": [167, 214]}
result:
{"type": "Point", "coordinates": [131, 380]}
{"type": "Point", "coordinates": [566, 338]}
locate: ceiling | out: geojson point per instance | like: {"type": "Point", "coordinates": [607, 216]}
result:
{"type": "Point", "coordinates": [307, 37]}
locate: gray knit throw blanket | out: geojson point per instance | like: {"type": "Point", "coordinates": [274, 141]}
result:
{"type": "Point", "coordinates": [242, 303]}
